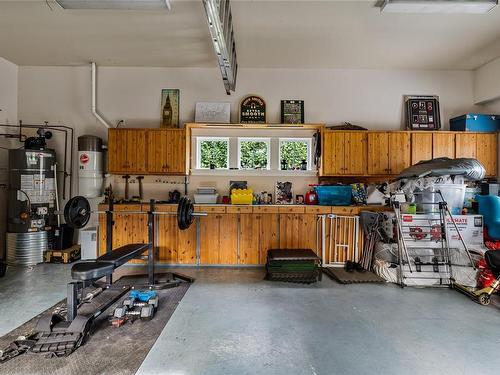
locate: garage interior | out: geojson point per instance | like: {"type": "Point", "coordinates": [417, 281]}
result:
{"type": "Point", "coordinates": [249, 187]}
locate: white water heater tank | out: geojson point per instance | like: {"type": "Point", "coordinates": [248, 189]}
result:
{"type": "Point", "coordinates": [90, 166]}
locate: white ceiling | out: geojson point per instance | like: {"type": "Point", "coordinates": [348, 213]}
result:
{"type": "Point", "coordinates": [280, 34]}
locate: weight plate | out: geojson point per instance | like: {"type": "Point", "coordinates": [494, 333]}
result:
{"type": "Point", "coordinates": [185, 213]}
{"type": "Point", "coordinates": [77, 212]}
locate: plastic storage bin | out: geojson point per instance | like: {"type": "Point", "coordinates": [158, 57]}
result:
{"type": "Point", "coordinates": [475, 122]}
{"type": "Point", "coordinates": [205, 198]}
{"type": "Point", "coordinates": [241, 196]}
{"type": "Point", "coordinates": [453, 195]}
{"type": "Point", "coordinates": [334, 195]}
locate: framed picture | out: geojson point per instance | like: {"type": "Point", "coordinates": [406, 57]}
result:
{"type": "Point", "coordinates": [170, 108]}
{"type": "Point", "coordinates": [422, 112]}
{"type": "Point", "coordinates": [284, 194]}
{"type": "Point", "coordinates": [213, 112]}
{"type": "Point", "coordinates": [292, 111]}
{"type": "Point", "coordinates": [252, 110]}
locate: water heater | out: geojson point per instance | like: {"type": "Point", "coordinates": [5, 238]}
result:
{"type": "Point", "coordinates": [90, 170]}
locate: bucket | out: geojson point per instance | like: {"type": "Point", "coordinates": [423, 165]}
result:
{"type": "Point", "coordinates": [453, 194]}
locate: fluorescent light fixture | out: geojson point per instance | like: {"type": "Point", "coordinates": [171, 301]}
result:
{"type": "Point", "coordinates": [115, 4]}
{"type": "Point", "coordinates": [438, 6]}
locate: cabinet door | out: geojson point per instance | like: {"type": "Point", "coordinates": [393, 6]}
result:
{"type": "Point", "coordinates": [443, 145]}
{"type": "Point", "coordinates": [355, 153]}
{"type": "Point", "coordinates": [157, 151]}
{"type": "Point", "coordinates": [176, 151]}
{"type": "Point", "coordinates": [209, 239]}
{"type": "Point", "coordinates": [268, 236]}
{"type": "Point", "coordinates": [465, 145]}
{"type": "Point", "coordinates": [228, 239]}
{"type": "Point", "coordinates": [421, 147]}
{"type": "Point", "coordinates": [399, 152]}
{"type": "Point", "coordinates": [249, 238]}
{"type": "Point", "coordinates": [117, 151]}
{"type": "Point", "coordinates": [378, 153]}
{"type": "Point", "coordinates": [136, 150]}
{"type": "Point", "coordinates": [486, 152]}
{"type": "Point", "coordinates": [333, 153]}
{"type": "Point", "coordinates": [167, 234]}
{"type": "Point", "coordinates": [308, 233]}
{"type": "Point", "coordinates": [289, 230]}
{"type": "Point", "coordinates": [186, 244]}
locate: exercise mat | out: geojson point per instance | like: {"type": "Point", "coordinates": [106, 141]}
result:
{"type": "Point", "coordinates": [108, 350]}
{"type": "Point", "coordinates": [342, 276]}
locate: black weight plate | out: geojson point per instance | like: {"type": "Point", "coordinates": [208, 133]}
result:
{"type": "Point", "coordinates": [77, 212]}
{"type": "Point", "coordinates": [185, 213]}
{"type": "Point", "coordinates": [181, 213]}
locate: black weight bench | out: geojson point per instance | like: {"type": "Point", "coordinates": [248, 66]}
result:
{"type": "Point", "coordinates": [107, 263]}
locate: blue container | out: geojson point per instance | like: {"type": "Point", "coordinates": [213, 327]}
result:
{"type": "Point", "coordinates": [334, 195]}
{"type": "Point", "coordinates": [474, 122]}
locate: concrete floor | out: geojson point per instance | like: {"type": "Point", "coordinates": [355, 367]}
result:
{"type": "Point", "coordinates": [233, 322]}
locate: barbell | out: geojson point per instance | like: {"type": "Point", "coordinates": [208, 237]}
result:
{"type": "Point", "coordinates": [77, 213]}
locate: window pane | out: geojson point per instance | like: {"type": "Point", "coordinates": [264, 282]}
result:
{"type": "Point", "coordinates": [253, 155]}
{"type": "Point", "coordinates": [214, 153]}
{"type": "Point", "coordinates": [293, 155]}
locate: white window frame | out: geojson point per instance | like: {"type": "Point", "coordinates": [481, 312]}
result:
{"type": "Point", "coordinates": [198, 151]}
{"type": "Point", "coordinates": [267, 141]}
{"type": "Point", "coordinates": [308, 141]}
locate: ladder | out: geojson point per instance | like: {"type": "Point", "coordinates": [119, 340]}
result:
{"type": "Point", "coordinates": [424, 243]}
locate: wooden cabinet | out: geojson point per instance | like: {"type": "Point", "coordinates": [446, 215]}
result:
{"type": "Point", "coordinates": [218, 239]}
{"type": "Point", "coordinates": [299, 231]}
{"type": "Point", "coordinates": [465, 145]}
{"type": "Point", "coordinates": [127, 151]}
{"type": "Point", "coordinates": [147, 151]}
{"type": "Point", "coordinates": [388, 153]}
{"type": "Point", "coordinates": [421, 147]}
{"type": "Point", "coordinates": [486, 152]}
{"type": "Point", "coordinates": [344, 153]}
{"type": "Point", "coordinates": [443, 145]}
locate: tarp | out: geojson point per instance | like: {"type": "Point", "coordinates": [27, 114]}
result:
{"type": "Point", "coordinates": [470, 168]}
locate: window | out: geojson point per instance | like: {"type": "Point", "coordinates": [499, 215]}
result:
{"type": "Point", "coordinates": [212, 153]}
{"type": "Point", "coordinates": [295, 154]}
{"type": "Point", "coordinates": [253, 153]}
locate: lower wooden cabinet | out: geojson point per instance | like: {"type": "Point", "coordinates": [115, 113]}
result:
{"type": "Point", "coordinates": [218, 239]}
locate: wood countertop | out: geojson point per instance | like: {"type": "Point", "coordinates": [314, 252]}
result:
{"type": "Point", "coordinates": [249, 209]}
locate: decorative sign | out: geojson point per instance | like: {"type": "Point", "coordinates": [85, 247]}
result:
{"type": "Point", "coordinates": [292, 111]}
{"type": "Point", "coordinates": [170, 108]}
{"type": "Point", "coordinates": [422, 112]}
{"type": "Point", "coordinates": [209, 112]}
{"type": "Point", "coordinates": [253, 110]}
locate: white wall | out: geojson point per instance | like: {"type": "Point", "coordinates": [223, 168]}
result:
{"type": "Point", "coordinates": [487, 82]}
{"type": "Point", "coordinates": [370, 98]}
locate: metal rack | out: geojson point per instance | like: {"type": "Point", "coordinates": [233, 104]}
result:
{"type": "Point", "coordinates": [424, 244]}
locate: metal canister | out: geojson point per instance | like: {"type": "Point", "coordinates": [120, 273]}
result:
{"type": "Point", "coordinates": [26, 249]}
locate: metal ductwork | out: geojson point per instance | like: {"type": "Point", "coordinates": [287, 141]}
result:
{"type": "Point", "coordinates": [220, 24]}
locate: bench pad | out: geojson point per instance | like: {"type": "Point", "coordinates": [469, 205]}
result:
{"type": "Point", "coordinates": [91, 270]}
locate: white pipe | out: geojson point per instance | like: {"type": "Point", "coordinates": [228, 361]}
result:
{"type": "Point", "coordinates": [94, 96]}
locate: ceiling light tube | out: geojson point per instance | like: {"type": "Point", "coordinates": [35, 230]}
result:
{"type": "Point", "coordinates": [115, 4]}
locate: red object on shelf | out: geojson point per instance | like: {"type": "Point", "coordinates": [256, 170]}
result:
{"type": "Point", "coordinates": [311, 197]}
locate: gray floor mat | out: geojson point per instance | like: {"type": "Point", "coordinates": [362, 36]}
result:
{"type": "Point", "coordinates": [108, 350]}
{"type": "Point", "coordinates": [342, 276]}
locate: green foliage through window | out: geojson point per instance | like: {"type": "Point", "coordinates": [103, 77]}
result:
{"type": "Point", "coordinates": [214, 152]}
{"type": "Point", "coordinates": [293, 153]}
{"type": "Point", "coordinates": [253, 155]}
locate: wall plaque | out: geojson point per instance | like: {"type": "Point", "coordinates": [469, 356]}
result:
{"type": "Point", "coordinates": [292, 111]}
{"type": "Point", "coordinates": [252, 110]}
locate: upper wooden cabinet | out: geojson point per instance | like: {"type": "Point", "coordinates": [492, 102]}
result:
{"type": "Point", "coordinates": [376, 153]}
{"type": "Point", "coordinates": [421, 147]}
{"type": "Point", "coordinates": [443, 145]}
{"type": "Point", "coordinates": [486, 152]}
{"type": "Point", "coordinates": [344, 153]}
{"type": "Point", "coordinates": [166, 151]}
{"type": "Point", "coordinates": [388, 153]}
{"type": "Point", "coordinates": [127, 151]}
{"type": "Point", "coordinates": [147, 151]}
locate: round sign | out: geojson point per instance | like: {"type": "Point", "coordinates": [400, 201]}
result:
{"type": "Point", "coordinates": [84, 158]}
